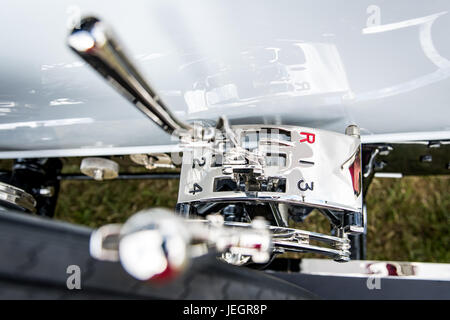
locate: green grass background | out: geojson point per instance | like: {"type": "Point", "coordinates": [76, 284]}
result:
{"type": "Point", "coordinates": [408, 218]}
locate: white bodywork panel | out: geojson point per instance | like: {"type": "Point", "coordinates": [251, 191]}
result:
{"type": "Point", "coordinates": [384, 66]}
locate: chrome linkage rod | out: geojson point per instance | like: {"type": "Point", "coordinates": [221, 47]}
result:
{"type": "Point", "coordinates": [296, 240]}
{"type": "Point", "coordinates": [156, 243]}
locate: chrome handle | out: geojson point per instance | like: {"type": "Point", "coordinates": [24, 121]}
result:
{"type": "Point", "coordinates": [95, 44]}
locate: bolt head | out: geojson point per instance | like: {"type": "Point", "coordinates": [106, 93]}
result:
{"type": "Point", "coordinates": [353, 130]}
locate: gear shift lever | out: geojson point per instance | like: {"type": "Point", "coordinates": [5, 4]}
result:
{"type": "Point", "coordinates": [93, 42]}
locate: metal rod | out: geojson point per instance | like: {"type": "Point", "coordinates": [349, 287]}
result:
{"type": "Point", "coordinates": [95, 44]}
{"type": "Point", "coordinates": [125, 176]}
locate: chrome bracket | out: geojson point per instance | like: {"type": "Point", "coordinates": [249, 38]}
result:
{"type": "Point", "coordinates": [17, 197]}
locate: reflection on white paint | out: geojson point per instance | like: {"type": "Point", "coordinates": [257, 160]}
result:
{"type": "Point", "coordinates": [45, 123]}
{"type": "Point", "coordinates": [150, 56]}
{"type": "Point", "coordinates": [171, 93]}
{"type": "Point", "coordinates": [195, 100]}
{"type": "Point", "coordinates": [98, 144]}
{"type": "Point", "coordinates": [7, 104]}
{"type": "Point", "coordinates": [89, 151]}
{"type": "Point", "coordinates": [407, 86]}
{"type": "Point", "coordinates": [189, 64]}
{"type": "Point", "coordinates": [5, 107]}
{"type": "Point", "coordinates": [64, 101]}
{"type": "Point", "coordinates": [294, 69]}
{"type": "Point", "coordinates": [401, 24]}
{"type": "Point", "coordinates": [426, 42]}
{"type": "Point", "coordinates": [324, 70]}
{"type": "Point", "coordinates": [75, 64]}
{"type": "Point", "coordinates": [78, 64]}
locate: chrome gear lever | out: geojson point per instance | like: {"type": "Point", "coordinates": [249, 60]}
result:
{"type": "Point", "coordinates": [156, 245]}
{"type": "Point", "coordinates": [96, 45]}
{"type": "Point", "coordinates": [234, 170]}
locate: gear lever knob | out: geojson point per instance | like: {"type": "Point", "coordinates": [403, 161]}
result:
{"type": "Point", "coordinates": [154, 245]}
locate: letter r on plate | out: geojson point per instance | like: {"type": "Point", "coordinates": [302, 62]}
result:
{"type": "Point", "coordinates": [310, 137]}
